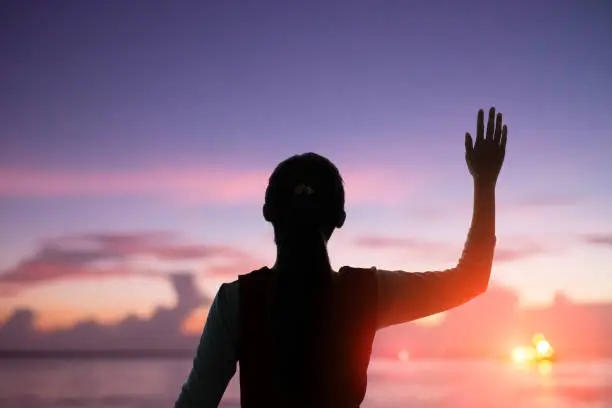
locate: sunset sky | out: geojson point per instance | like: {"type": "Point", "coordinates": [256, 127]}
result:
{"type": "Point", "coordinates": [137, 137]}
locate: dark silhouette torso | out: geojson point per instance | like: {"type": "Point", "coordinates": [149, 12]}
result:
{"type": "Point", "coordinates": [329, 369]}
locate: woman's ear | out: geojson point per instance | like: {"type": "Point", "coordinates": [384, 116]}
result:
{"type": "Point", "coordinates": [267, 213]}
{"type": "Point", "coordinates": [341, 219]}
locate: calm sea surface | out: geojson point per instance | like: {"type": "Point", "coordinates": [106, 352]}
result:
{"type": "Point", "coordinates": [155, 383]}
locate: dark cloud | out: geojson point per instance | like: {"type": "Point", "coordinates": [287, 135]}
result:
{"type": "Point", "coordinates": [160, 332]}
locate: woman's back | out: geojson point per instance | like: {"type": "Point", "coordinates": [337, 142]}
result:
{"type": "Point", "coordinates": [329, 366]}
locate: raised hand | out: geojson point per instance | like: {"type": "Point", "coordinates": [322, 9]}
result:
{"type": "Point", "coordinates": [485, 157]}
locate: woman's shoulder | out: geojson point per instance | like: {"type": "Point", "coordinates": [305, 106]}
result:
{"type": "Point", "coordinates": [354, 270]}
{"type": "Point", "coordinates": [357, 275]}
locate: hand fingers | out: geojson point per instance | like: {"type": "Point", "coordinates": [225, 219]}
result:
{"type": "Point", "coordinates": [490, 124]}
{"type": "Point", "coordinates": [504, 138]}
{"type": "Point", "coordinates": [469, 144]}
{"type": "Point", "coordinates": [480, 125]}
{"type": "Point", "coordinates": [498, 128]}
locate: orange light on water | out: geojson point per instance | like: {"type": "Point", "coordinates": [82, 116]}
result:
{"type": "Point", "coordinates": [545, 368]}
{"type": "Point", "coordinates": [403, 355]}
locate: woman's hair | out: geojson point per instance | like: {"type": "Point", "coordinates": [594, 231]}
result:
{"type": "Point", "coordinates": [305, 190]}
{"type": "Point", "coordinates": [304, 199]}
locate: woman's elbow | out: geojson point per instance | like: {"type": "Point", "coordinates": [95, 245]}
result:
{"type": "Point", "coordinates": [481, 285]}
{"type": "Point", "coordinates": [482, 288]}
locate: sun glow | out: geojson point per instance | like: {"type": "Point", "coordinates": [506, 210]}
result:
{"type": "Point", "coordinates": [194, 323]}
{"type": "Point", "coordinates": [523, 355]}
{"type": "Point", "coordinates": [540, 350]}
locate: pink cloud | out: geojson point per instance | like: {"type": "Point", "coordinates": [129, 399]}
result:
{"type": "Point", "coordinates": [533, 205]}
{"type": "Point", "coordinates": [33, 271]}
{"type": "Point", "coordinates": [547, 201]}
{"type": "Point", "coordinates": [204, 185]}
{"type": "Point", "coordinates": [512, 251]}
{"type": "Point", "coordinates": [104, 255]}
{"type": "Point", "coordinates": [506, 254]}
{"type": "Point", "coordinates": [8, 289]}
{"type": "Point", "coordinates": [229, 272]}
{"type": "Point", "coordinates": [162, 245]}
{"type": "Point", "coordinates": [378, 242]}
{"type": "Point", "coordinates": [601, 239]}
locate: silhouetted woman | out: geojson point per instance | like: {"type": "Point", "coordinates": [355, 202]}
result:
{"type": "Point", "coordinates": [301, 332]}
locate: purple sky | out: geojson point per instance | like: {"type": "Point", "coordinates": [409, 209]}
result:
{"type": "Point", "coordinates": [130, 117]}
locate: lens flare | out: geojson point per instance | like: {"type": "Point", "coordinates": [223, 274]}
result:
{"type": "Point", "coordinates": [523, 355]}
{"type": "Point", "coordinates": [544, 349]}
{"type": "Point", "coordinates": [538, 338]}
{"type": "Point", "coordinates": [541, 350]}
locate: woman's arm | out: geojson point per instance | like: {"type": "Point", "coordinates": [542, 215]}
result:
{"type": "Point", "coordinates": [215, 362]}
{"type": "Point", "coordinates": [405, 296]}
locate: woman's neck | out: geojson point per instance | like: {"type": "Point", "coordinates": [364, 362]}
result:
{"type": "Point", "coordinates": [302, 252]}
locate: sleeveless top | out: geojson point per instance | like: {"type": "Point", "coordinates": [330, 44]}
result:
{"type": "Point", "coordinates": [340, 353]}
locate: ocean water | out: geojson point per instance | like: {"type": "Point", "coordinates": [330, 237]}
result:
{"type": "Point", "coordinates": [155, 383]}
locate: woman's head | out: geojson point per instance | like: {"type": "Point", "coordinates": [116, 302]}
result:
{"type": "Point", "coordinates": [305, 194]}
